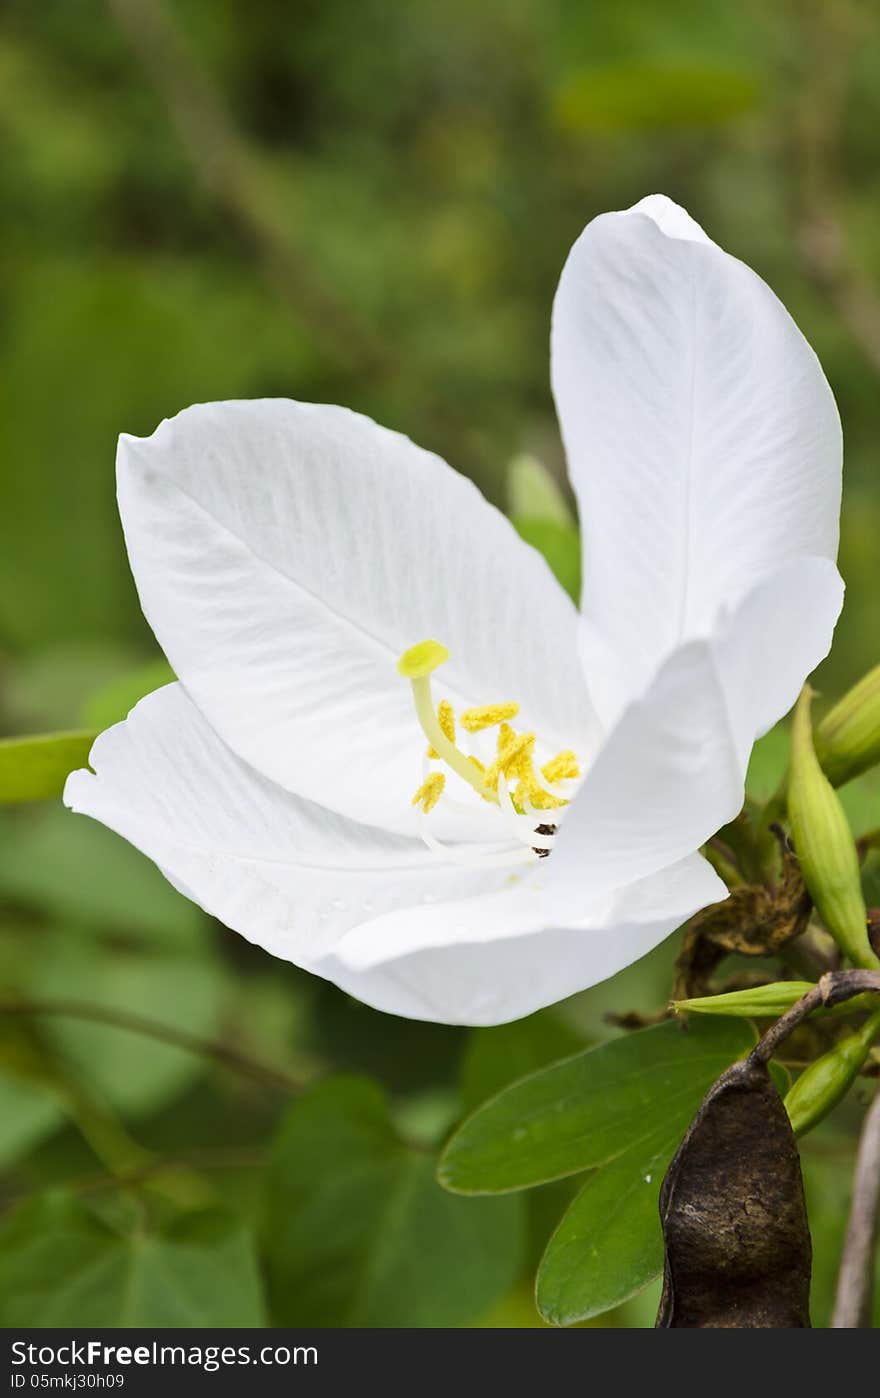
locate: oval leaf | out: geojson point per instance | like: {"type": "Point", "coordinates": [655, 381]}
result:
{"type": "Point", "coordinates": [608, 1245]}
{"type": "Point", "coordinates": [589, 1109]}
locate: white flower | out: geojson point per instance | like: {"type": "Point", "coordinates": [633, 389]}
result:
{"type": "Point", "coordinates": [287, 554]}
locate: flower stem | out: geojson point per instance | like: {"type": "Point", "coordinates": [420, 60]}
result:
{"type": "Point", "coordinates": [152, 1029]}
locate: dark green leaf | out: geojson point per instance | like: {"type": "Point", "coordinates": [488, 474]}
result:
{"type": "Point", "coordinates": [589, 1109]}
{"type": "Point", "coordinates": [36, 768]}
{"type": "Point", "coordinates": [609, 1245]}
{"type": "Point", "coordinates": [358, 1232]}
{"type": "Point", "coordinates": [60, 1265]}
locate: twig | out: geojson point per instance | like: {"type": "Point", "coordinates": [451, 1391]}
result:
{"type": "Point", "coordinates": [855, 1282]}
{"type": "Point", "coordinates": [178, 1038]}
{"type": "Point", "coordinates": [834, 987]}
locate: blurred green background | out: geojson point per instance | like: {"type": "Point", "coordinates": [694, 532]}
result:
{"type": "Point", "coordinates": [367, 204]}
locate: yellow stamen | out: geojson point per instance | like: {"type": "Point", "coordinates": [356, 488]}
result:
{"type": "Point", "coordinates": [528, 792]}
{"type": "Point", "coordinates": [429, 792]}
{"type": "Point", "coordinates": [422, 659]}
{"type": "Point", "coordinates": [562, 767]}
{"type": "Point", "coordinates": [475, 720]}
{"type": "Point", "coordinates": [514, 757]}
{"type": "Point", "coordinates": [446, 719]}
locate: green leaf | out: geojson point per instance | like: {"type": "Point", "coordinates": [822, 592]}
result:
{"type": "Point", "coordinates": [61, 1265]}
{"type": "Point", "coordinates": [609, 1244]}
{"type": "Point", "coordinates": [36, 768]}
{"type": "Point", "coordinates": [28, 1114]}
{"type": "Point", "coordinates": [114, 701]}
{"type": "Point", "coordinates": [589, 1109]}
{"type": "Point", "coordinates": [73, 869]}
{"type": "Point", "coordinates": [358, 1232]}
{"type": "Point", "coordinates": [560, 546]}
{"type": "Point", "coordinates": [645, 96]}
{"type": "Point", "coordinates": [497, 1056]}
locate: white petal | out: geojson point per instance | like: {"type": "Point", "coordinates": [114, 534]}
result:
{"type": "Point", "coordinates": [287, 553]}
{"type": "Point", "coordinates": [371, 911]}
{"type": "Point", "coordinates": [673, 770]}
{"type": "Point", "coordinates": [492, 959]}
{"type": "Point", "coordinates": [284, 872]}
{"type": "Point", "coordinates": [703, 440]}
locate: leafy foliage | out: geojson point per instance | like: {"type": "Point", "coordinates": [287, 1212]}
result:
{"type": "Point", "coordinates": [430, 168]}
{"type": "Point", "coordinates": [619, 1110]}
{"type": "Point", "coordinates": [588, 1109]}
{"type": "Point", "coordinates": [61, 1265]}
{"type": "Point", "coordinates": [359, 1233]}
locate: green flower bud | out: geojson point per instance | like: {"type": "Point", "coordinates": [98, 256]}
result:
{"type": "Point", "coordinates": [760, 1000]}
{"type": "Point", "coordinates": [848, 738]}
{"type": "Point", "coordinates": [825, 846]}
{"type": "Point", "coordinates": [821, 1086]}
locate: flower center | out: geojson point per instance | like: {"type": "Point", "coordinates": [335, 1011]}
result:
{"type": "Point", "coordinates": [510, 780]}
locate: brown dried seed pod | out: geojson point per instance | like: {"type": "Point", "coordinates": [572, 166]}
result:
{"type": "Point", "coordinates": [734, 1219]}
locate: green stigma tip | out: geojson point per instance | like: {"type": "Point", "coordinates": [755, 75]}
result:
{"type": "Point", "coordinates": [420, 660]}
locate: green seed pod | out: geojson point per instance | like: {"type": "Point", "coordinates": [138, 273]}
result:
{"type": "Point", "coordinates": [825, 846]}
{"type": "Point", "coordinates": [758, 1001]}
{"type": "Point", "coordinates": [848, 738]}
{"type": "Point", "coordinates": [821, 1086]}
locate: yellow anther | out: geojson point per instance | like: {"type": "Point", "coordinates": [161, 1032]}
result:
{"type": "Point", "coordinates": [515, 758]}
{"type": "Point", "coordinates": [429, 792]}
{"type": "Point", "coordinates": [528, 792]}
{"type": "Point", "coordinates": [446, 719]}
{"type": "Point", "coordinates": [422, 659]}
{"type": "Point", "coordinates": [475, 720]}
{"type": "Point", "coordinates": [562, 767]}
{"type": "Point", "coordinates": [506, 735]}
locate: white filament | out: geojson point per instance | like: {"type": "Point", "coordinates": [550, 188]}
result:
{"type": "Point", "coordinates": [474, 859]}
